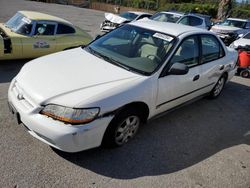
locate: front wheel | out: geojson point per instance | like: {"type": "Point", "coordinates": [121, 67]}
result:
{"type": "Point", "coordinates": [122, 128]}
{"type": "Point", "coordinates": [216, 91]}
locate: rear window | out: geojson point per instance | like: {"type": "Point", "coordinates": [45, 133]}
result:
{"type": "Point", "coordinates": [64, 29]}
{"type": "Point", "coordinates": [195, 21]}
{"type": "Point", "coordinates": [211, 48]}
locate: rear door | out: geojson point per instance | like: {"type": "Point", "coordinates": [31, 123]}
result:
{"type": "Point", "coordinates": [212, 60]}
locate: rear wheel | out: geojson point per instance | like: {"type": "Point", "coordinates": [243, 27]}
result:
{"type": "Point", "coordinates": [216, 91]}
{"type": "Point", "coordinates": [244, 73]}
{"type": "Point", "coordinates": [122, 128]}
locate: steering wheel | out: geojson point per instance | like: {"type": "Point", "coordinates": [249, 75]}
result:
{"type": "Point", "coordinates": [154, 57]}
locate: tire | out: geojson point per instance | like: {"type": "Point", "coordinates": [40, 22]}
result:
{"type": "Point", "coordinates": [216, 91]}
{"type": "Point", "coordinates": [244, 73]}
{"type": "Point", "coordinates": [122, 128]}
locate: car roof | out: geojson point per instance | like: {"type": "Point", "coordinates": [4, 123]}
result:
{"type": "Point", "coordinates": [238, 19]}
{"type": "Point", "coordinates": [139, 13]}
{"type": "Point", "coordinates": [41, 16]}
{"type": "Point", "coordinates": [171, 12]}
{"type": "Point", "coordinates": [166, 27]}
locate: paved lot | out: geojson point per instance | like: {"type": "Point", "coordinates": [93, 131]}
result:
{"type": "Point", "coordinates": [205, 144]}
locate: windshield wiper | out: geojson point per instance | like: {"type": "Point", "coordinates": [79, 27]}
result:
{"type": "Point", "coordinates": [106, 58]}
{"type": "Point", "coordinates": [113, 61]}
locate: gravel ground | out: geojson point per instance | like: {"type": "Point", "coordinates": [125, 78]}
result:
{"type": "Point", "coordinates": [204, 144]}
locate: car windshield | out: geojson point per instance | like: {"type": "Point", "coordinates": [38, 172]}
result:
{"type": "Point", "coordinates": [19, 24]}
{"type": "Point", "coordinates": [128, 15]}
{"type": "Point", "coordinates": [234, 23]}
{"type": "Point", "coordinates": [133, 48]}
{"type": "Point", "coordinates": [247, 36]}
{"type": "Point", "coordinates": [165, 17]}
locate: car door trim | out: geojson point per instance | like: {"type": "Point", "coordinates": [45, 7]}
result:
{"type": "Point", "coordinates": [159, 105]}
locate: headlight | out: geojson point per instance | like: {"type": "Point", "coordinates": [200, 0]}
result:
{"type": "Point", "coordinates": [70, 115]}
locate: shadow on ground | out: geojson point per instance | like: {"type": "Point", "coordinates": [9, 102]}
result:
{"type": "Point", "coordinates": [9, 69]}
{"type": "Point", "coordinates": [176, 141]}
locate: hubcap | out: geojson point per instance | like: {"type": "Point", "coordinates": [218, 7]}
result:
{"type": "Point", "coordinates": [219, 86]}
{"type": "Point", "coordinates": [127, 129]}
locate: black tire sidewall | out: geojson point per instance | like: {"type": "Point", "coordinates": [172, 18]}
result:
{"type": "Point", "coordinates": [244, 72]}
{"type": "Point", "coordinates": [212, 95]}
{"type": "Point", "coordinates": [109, 135]}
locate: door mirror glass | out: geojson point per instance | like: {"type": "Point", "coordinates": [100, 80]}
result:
{"type": "Point", "coordinates": [178, 69]}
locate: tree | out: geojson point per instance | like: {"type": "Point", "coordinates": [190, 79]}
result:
{"type": "Point", "coordinates": [225, 7]}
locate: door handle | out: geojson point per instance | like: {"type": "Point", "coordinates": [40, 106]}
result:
{"type": "Point", "coordinates": [222, 67]}
{"type": "Point", "coordinates": [196, 77]}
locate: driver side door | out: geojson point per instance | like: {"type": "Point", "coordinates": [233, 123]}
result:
{"type": "Point", "coordinates": [174, 90]}
{"type": "Point", "coordinates": [42, 42]}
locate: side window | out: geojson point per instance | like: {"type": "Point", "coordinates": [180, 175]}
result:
{"type": "Point", "coordinates": [195, 21]}
{"type": "Point", "coordinates": [211, 48]}
{"type": "Point", "coordinates": [45, 29]}
{"type": "Point", "coordinates": [248, 25]}
{"type": "Point", "coordinates": [184, 20]}
{"type": "Point", "coordinates": [64, 29]}
{"type": "Point", "coordinates": [187, 52]}
{"type": "Point", "coordinates": [143, 16]}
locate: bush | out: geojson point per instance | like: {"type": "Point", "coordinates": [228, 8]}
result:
{"type": "Point", "coordinates": [240, 13]}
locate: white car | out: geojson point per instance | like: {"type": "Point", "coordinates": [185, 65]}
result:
{"type": "Point", "coordinates": [191, 19]}
{"type": "Point", "coordinates": [231, 28]}
{"type": "Point", "coordinates": [243, 41]}
{"type": "Point", "coordinates": [113, 21]}
{"type": "Point", "coordinates": [101, 94]}
{"type": "Point", "coordinates": [167, 16]}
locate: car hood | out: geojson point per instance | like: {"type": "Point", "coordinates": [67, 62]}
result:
{"type": "Point", "coordinates": [49, 78]}
{"type": "Point", "coordinates": [224, 29]}
{"type": "Point", "coordinates": [242, 42]}
{"type": "Point", "coordinates": [114, 18]}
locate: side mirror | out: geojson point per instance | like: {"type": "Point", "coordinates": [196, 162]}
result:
{"type": "Point", "coordinates": [178, 69]}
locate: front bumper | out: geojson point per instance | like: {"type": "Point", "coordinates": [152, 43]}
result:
{"type": "Point", "coordinates": [57, 134]}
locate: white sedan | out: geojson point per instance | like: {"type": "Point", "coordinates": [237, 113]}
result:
{"type": "Point", "coordinates": [243, 41]}
{"type": "Point", "coordinates": [101, 94]}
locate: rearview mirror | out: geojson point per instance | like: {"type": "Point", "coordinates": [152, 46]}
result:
{"type": "Point", "coordinates": [178, 69]}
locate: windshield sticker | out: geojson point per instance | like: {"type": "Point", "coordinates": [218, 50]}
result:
{"type": "Point", "coordinates": [40, 44]}
{"type": "Point", "coordinates": [163, 37]}
{"type": "Point", "coordinates": [26, 20]}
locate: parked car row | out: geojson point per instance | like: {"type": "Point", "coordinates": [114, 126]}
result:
{"type": "Point", "coordinates": [228, 30]}
{"type": "Point", "coordinates": [101, 93]}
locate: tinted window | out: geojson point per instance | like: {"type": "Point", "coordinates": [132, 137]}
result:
{"type": "Point", "coordinates": [247, 36]}
{"type": "Point", "coordinates": [165, 17]}
{"type": "Point", "coordinates": [211, 48]}
{"type": "Point", "coordinates": [195, 21]}
{"type": "Point", "coordinates": [64, 29]}
{"type": "Point", "coordinates": [187, 52]}
{"type": "Point", "coordinates": [128, 15]}
{"type": "Point", "coordinates": [143, 16]}
{"type": "Point", "coordinates": [248, 25]}
{"type": "Point", "coordinates": [184, 21]}
{"type": "Point", "coordinates": [45, 29]}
